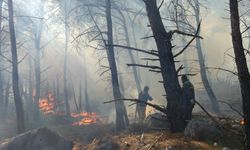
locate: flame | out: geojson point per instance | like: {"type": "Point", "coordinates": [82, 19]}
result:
{"type": "Point", "coordinates": [86, 118]}
{"type": "Point", "coordinates": [48, 104]}
{"type": "Point", "coordinates": [242, 122]}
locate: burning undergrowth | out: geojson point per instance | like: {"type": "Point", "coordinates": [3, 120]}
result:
{"type": "Point", "coordinates": [78, 126]}
{"type": "Point", "coordinates": [50, 107]}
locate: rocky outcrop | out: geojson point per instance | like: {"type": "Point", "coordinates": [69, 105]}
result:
{"type": "Point", "coordinates": [39, 139]}
{"type": "Point", "coordinates": [202, 129]}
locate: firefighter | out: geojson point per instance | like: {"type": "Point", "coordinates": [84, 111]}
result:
{"type": "Point", "coordinates": [141, 108]}
{"type": "Point", "coordinates": [188, 98]}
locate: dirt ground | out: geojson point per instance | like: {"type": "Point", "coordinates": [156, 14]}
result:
{"type": "Point", "coordinates": [136, 137]}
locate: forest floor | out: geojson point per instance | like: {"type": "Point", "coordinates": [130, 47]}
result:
{"type": "Point", "coordinates": [139, 137]}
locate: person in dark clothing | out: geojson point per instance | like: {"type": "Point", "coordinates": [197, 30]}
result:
{"type": "Point", "coordinates": [141, 108]}
{"type": "Point", "coordinates": [188, 98]}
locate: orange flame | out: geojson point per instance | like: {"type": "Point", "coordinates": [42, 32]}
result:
{"type": "Point", "coordinates": [242, 122]}
{"type": "Point", "coordinates": [46, 106]}
{"type": "Point", "coordinates": [86, 118]}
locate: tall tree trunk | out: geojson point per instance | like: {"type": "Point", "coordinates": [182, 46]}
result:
{"type": "Point", "coordinates": [241, 63]}
{"type": "Point", "coordinates": [17, 97]}
{"type": "Point", "coordinates": [1, 62]}
{"type": "Point", "coordinates": [121, 114]}
{"type": "Point", "coordinates": [65, 70]}
{"type": "Point", "coordinates": [30, 82]}
{"type": "Point", "coordinates": [136, 46]}
{"type": "Point", "coordinates": [37, 65]}
{"type": "Point", "coordinates": [203, 73]}
{"type": "Point", "coordinates": [6, 100]}
{"type": "Point", "coordinates": [132, 58]}
{"type": "Point", "coordinates": [86, 94]}
{"type": "Point", "coordinates": [168, 70]}
{"type": "Point", "coordinates": [80, 95]}
{"type": "Point", "coordinates": [120, 75]}
{"type": "Point", "coordinates": [58, 97]}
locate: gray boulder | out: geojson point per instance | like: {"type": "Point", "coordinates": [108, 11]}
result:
{"type": "Point", "coordinates": [203, 129]}
{"type": "Point", "coordinates": [39, 139]}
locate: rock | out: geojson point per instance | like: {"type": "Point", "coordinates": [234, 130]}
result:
{"type": "Point", "coordinates": [225, 148]}
{"type": "Point", "coordinates": [39, 139]}
{"type": "Point", "coordinates": [202, 129]}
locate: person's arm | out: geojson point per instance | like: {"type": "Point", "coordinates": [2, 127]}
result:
{"type": "Point", "coordinates": [149, 97]}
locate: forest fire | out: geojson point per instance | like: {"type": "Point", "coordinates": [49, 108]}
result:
{"type": "Point", "coordinates": [86, 118]}
{"type": "Point", "coordinates": [46, 106]}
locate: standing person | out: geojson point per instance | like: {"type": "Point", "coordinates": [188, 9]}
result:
{"type": "Point", "coordinates": [141, 108]}
{"type": "Point", "coordinates": [188, 98]}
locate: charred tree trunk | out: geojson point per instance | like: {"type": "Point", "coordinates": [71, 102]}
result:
{"type": "Point", "coordinates": [207, 86]}
{"type": "Point", "coordinates": [121, 114]}
{"type": "Point", "coordinates": [168, 69]}
{"type": "Point", "coordinates": [65, 69]}
{"type": "Point", "coordinates": [17, 97]}
{"type": "Point", "coordinates": [241, 63]}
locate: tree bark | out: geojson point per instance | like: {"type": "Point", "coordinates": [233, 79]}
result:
{"type": "Point", "coordinates": [17, 97]}
{"type": "Point", "coordinates": [241, 63]}
{"type": "Point", "coordinates": [121, 114]}
{"type": "Point", "coordinates": [168, 69]}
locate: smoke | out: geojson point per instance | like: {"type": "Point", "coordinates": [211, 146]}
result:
{"type": "Point", "coordinates": [215, 30]}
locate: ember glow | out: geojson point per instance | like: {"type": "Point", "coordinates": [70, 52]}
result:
{"type": "Point", "coordinates": [242, 122]}
{"type": "Point", "coordinates": [86, 118]}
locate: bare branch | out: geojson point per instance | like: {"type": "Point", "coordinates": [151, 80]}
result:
{"type": "Point", "coordinates": [161, 4]}
{"type": "Point", "coordinates": [197, 32]}
{"type": "Point", "coordinates": [157, 107]}
{"type": "Point", "coordinates": [234, 109]}
{"type": "Point", "coordinates": [218, 68]}
{"type": "Point", "coordinates": [187, 34]}
{"type": "Point", "coordinates": [144, 66]}
{"type": "Point", "coordinates": [150, 59]}
{"type": "Point", "coordinates": [6, 58]}
{"type": "Point", "coordinates": [135, 49]}
{"type": "Point", "coordinates": [22, 59]}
